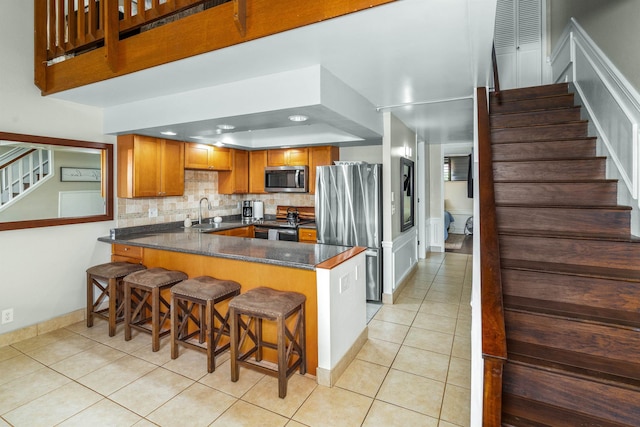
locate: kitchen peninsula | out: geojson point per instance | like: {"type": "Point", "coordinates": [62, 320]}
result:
{"type": "Point", "coordinates": [331, 277]}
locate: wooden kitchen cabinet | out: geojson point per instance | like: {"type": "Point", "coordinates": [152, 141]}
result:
{"type": "Point", "coordinates": [150, 167]}
{"type": "Point", "coordinates": [288, 157]}
{"type": "Point", "coordinates": [257, 163]}
{"type": "Point", "coordinates": [235, 181]}
{"type": "Point", "coordinates": [126, 253]}
{"type": "Point", "coordinates": [206, 157]}
{"type": "Point", "coordinates": [307, 235]}
{"type": "Point", "coordinates": [237, 232]}
{"type": "Point", "coordinates": [320, 156]}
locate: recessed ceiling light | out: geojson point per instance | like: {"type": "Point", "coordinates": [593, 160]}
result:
{"type": "Point", "coordinates": [298, 118]}
{"type": "Point", "coordinates": [226, 126]}
{"type": "Point", "coordinates": [168, 133]}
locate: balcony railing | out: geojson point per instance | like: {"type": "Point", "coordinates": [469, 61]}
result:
{"type": "Point", "coordinates": [79, 42]}
{"type": "Point", "coordinates": [71, 31]}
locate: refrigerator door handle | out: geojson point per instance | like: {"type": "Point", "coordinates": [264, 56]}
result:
{"type": "Point", "coordinates": [371, 252]}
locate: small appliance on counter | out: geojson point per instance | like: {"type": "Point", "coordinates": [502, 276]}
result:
{"type": "Point", "coordinates": [258, 210]}
{"type": "Point", "coordinates": [247, 212]}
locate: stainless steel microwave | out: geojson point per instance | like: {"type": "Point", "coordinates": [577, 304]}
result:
{"type": "Point", "coordinates": [286, 179]}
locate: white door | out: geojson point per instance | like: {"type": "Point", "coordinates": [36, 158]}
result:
{"type": "Point", "coordinates": [518, 41]}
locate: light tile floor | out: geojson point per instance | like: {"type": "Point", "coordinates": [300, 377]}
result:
{"type": "Point", "coordinates": [413, 371]}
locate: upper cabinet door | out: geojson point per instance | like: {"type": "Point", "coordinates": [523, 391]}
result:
{"type": "Point", "coordinates": [320, 156]}
{"type": "Point", "coordinates": [257, 163]}
{"type": "Point", "coordinates": [172, 168]}
{"type": "Point", "coordinates": [150, 167]}
{"type": "Point", "coordinates": [288, 157]}
{"type": "Point", "coordinates": [206, 157]}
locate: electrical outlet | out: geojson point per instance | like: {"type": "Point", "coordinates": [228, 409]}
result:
{"type": "Point", "coordinates": [345, 283]}
{"type": "Point", "coordinates": [7, 315]}
{"type": "Point", "coordinates": [153, 212]}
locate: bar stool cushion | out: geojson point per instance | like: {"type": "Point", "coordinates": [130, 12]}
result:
{"type": "Point", "coordinates": [205, 288]}
{"type": "Point", "coordinates": [155, 277]}
{"type": "Point", "coordinates": [267, 303]}
{"type": "Point", "coordinates": [114, 270]}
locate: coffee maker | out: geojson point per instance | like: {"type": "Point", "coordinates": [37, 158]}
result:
{"type": "Point", "coordinates": [247, 211]}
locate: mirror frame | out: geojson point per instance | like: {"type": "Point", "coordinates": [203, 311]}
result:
{"type": "Point", "coordinates": [407, 190]}
{"type": "Point", "coordinates": [107, 181]}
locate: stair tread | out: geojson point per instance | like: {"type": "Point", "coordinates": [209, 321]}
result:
{"type": "Point", "coordinates": [537, 141]}
{"type": "Point", "coordinates": [553, 159]}
{"type": "Point", "coordinates": [535, 126]}
{"type": "Point", "coordinates": [569, 235]}
{"type": "Point", "coordinates": [573, 371]}
{"type": "Point", "coordinates": [596, 207]}
{"type": "Point", "coordinates": [558, 181]}
{"type": "Point", "coordinates": [512, 113]}
{"type": "Point", "coordinates": [522, 412]}
{"type": "Point", "coordinates": [574, 270]}
{"type": "Point", "coordinates": [558, 368]}
{"type": "Point", "coordinates": [574, 311]}
{"type": "Point", "coordinates": [574, 392]}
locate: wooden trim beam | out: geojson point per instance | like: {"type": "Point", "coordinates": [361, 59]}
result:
{"type": "Point", "coordinates": [201, 32]}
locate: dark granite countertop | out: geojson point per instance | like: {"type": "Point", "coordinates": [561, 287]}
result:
{"type": "Point", "coordinates": [174, 237]}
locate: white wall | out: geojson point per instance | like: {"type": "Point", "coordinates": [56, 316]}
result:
{"type": "Point", "coordinates": [400, 250]}
{"type": "Point", "coordinates": [458, 204]}
{"type": "Point", "coordinates": [42, 270]}
{"type": "Point", "coordinates": [436, 199]}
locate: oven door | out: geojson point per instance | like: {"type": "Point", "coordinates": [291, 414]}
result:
{"type": "Point", "coordinates": [288, 234]}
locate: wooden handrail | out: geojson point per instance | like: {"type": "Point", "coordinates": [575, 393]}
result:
{"type": "Point", "coordinates": [494, 343]}
{"type": "Point", "coordinates": [496, 77]}
{"type": "Point", "coordinates": [25, 154]}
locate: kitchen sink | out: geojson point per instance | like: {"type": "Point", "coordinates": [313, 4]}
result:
{"type": "Point", "coordinates": [206, 227]}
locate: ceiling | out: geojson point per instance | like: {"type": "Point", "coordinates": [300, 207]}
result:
{"type": "Point", "coordinates": [418, 59]}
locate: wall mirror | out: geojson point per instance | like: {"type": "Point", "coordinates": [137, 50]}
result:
{"type": "Point", "coordinates": [407, 183]}
{"type": "Point", "coordinates": [51, 181]}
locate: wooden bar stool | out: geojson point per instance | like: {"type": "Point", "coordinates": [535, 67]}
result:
{"type": "Point", "coordinates": [201, 294]}
{"type": "Point", "coordinates": [144, 290]}
{"type": "Point", "coordinates": [268, 304]}
{"type": "Point", "coordinates": [112, 273]}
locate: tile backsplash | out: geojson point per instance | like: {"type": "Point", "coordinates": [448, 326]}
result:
{"type": "Point", "coordinates": [198, 184]}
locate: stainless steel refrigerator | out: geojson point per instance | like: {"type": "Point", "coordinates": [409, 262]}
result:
{"type": "Point", "coordinates": [349, 213]}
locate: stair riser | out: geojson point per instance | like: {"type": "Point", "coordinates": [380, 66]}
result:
{"type": "Point", "coordinates": [597, 253]}
{"type": "Point", "coordinates": [557, 194]}
{"type": "Point", "coordinates": [607, 402]}
{"type": "Point", "coordinates": [606, 300]}
{"type": "Point", "coordinates": [605, 221]}
{"type": "Point", "coordinates": [534, 118]}
{"type": "Point", "coordinates": [530, 92]}
{"type": "Point", "coordinates": [579, 148]}
{"type": "Point", "coordinates": [533, 104]}
{"type": "Point", "coordinates": [540, 133]}
{"type": "Point", "coordinates": [523, 412]}
{"type": "Point", "coordinates": [608, 343]}
{"type": "Point", "coordinates": [583, 169]}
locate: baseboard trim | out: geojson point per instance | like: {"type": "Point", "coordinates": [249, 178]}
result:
{"type": "Point", "coordinates": [329, 377]}
{"type": "Point", "coordinates": [42, 327]}
{"type": "Point", "coordinates": [390, 298]}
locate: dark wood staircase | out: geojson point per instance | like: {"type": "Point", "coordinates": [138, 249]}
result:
{"type": "Point", "coordinates": [570, 268]}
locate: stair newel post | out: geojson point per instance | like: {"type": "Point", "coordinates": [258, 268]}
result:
{"type": "Point", "coordinates": [494, 344]}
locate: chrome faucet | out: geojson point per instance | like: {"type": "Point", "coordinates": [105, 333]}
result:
{"type": "Point", "coordinates": [200, 208]}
